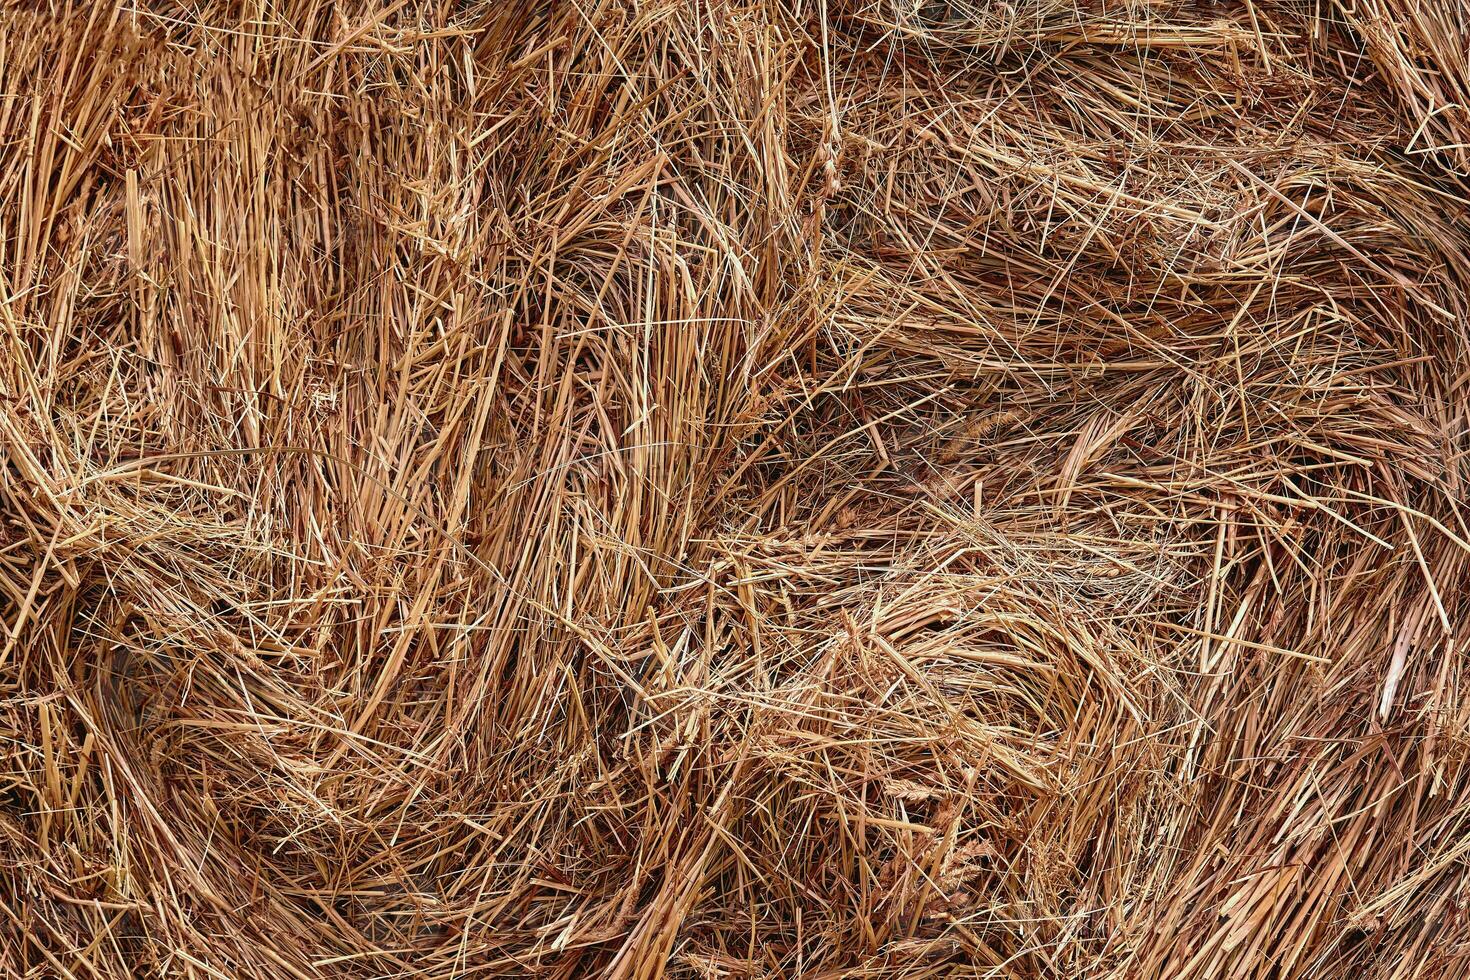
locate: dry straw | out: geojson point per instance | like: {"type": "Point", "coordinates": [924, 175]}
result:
{"type": "Point", "coordinates": [734, 488]}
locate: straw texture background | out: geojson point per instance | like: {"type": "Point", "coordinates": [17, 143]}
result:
{"type": "Point", "coordinates": [735, 488]}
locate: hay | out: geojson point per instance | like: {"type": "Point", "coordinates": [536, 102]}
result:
{"type": "Point", "coordinates": [734, 488]}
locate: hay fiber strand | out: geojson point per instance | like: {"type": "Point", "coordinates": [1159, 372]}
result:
{"type": "Point", "coordinates": [735, 488]}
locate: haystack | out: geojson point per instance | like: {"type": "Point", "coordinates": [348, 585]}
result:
{"type": "Point", "coordinates": [735, 488]}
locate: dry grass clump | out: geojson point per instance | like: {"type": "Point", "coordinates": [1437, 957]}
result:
{"type": "Point", "coordinates": [734, 488]}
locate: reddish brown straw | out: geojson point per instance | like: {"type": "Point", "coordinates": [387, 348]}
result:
{"type": "Point", "coordinates": [734, 489]}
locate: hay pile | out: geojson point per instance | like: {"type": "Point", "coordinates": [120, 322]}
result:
{"type": "Point", "coordinates": [735, 488]}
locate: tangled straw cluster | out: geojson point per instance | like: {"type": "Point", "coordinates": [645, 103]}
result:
{"type": "Point", "coordinates": [735, 488]}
